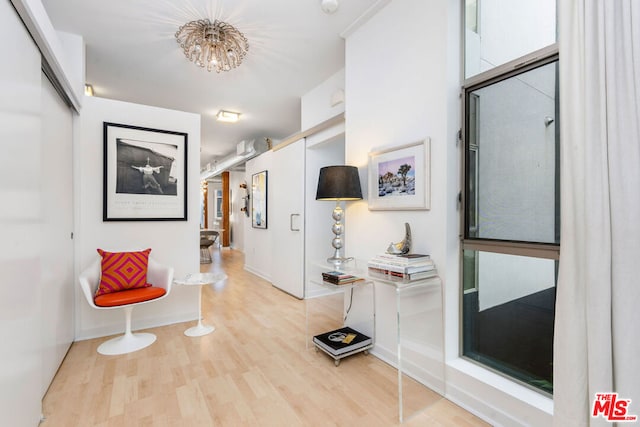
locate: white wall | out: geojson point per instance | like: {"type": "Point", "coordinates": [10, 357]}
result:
{"type": "Point", "coordinates": [316, 104]}
{"type": "Point", "coordinates": [318, 213]}
{"type": "Point", "coordinates": [526, 26]}
{"type": "Point", "coordinates": [394, 101]}
{"type": "Point", "coordinates": [173, 243]}
{"type": "Point", "coordinates": [508, 29]}
{"type": "Point", "coordinates": [412, 94]}
{"type": "Point", "coordinates": [258, 246]}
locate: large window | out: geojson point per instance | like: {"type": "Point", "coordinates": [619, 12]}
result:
{"type": "Point", "coordinates": [511, 238]}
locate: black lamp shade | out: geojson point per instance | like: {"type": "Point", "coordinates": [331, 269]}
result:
{"type": "Point", "coordinates": [339, 183]}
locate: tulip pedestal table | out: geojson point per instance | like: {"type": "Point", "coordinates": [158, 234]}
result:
{"type": "Point", "coordinates": [200, 279]}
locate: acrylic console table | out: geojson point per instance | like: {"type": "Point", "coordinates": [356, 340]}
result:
{"type": "Point", "coordinates": [337, 308]}
{"type": "Point", "coordinates": [200, 279]}
{"type": "Point", "coordinates": [419, 343]}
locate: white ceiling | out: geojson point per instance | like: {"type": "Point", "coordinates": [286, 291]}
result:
{"type": "Point", "coordinates": [132, 55]}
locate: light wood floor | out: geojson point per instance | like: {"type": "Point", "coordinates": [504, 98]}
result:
{"type": "Point", "coordinates": [253, 370]}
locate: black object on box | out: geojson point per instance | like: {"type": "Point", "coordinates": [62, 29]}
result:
{"type": "Point", "coordinates": [343, 340]}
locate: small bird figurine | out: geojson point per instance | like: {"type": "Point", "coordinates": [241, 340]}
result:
{"type": "Point", "coordinates": [403, 247]}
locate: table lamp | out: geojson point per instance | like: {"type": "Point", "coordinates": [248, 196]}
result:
{"type": "Point", "coordinates": [338, 183]}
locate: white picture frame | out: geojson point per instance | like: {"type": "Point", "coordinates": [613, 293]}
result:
{"type": "Point", "coordinates": [400, 177]}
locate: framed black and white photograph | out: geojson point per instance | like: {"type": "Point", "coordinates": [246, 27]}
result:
{"type": "Point", "coordinates": [399, 177]}
{"type": "Point", "coordinates": [145, 174]}
{"type": "Point", "coordinates": [259, 200]}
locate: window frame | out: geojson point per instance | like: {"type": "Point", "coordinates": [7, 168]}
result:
{"type": "Point", "coordinates": [542, 250]}
{"type": "Point", "coordinates": [503, 72]}
{"type": "Point", "coordinates": [218, 204]}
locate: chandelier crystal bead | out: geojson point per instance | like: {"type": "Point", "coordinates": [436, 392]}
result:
{"type": "Point", "coordinates": [215, 46]}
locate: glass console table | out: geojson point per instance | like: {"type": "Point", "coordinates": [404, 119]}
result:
{"type": "Point", "coordinates": [329, 307]}
{"type": "Point", "coordinates": [419, 343]}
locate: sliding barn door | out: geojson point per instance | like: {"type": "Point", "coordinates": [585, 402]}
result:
{"type": "Point", "coordinates": [56, 246]}
{"type": "Point", "coordinates": [286, 218]}
{"type": "Point", "coordinates": [20, 219]}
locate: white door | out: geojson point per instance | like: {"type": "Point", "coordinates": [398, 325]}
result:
{"type": "Point", "coordinates": [286, 183]}
{"type": "Point", "coordinates": [20, 218]}
{"type": "Point", "coordinates": [56, 246]}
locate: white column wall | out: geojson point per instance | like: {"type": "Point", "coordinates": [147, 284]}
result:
{"type": "Point", "coordinates": [402, 89]}
{"type": "Point", "coordinates": [399, 100]}
{"type": "Point", "coordinates": [173, 243]}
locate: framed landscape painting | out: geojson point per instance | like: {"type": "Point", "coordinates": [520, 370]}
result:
{"type": "Point", "coordinates": [144, 175]}
{"type": "Point", "coordinates": [259, 200]}
{"type": "Point", "coordinates": [399, 177]}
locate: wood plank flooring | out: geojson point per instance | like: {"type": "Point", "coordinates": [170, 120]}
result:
{"type": "Point", "coordinates": [253, 370]}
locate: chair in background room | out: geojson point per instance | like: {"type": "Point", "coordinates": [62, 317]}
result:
{"type": "Point", "coordinates": [207, 239]}
{"type": "Point", "coordinates": [158, 276]}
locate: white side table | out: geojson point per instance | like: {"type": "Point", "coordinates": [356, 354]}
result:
{"type": "Point", "coordinates": [200, 279]}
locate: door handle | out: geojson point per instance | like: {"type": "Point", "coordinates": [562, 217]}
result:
{"type": "Point", "coordinates": [291, 222]}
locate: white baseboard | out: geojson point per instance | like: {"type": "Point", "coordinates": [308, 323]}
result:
{"type": "Point", "coordinates": [115, 329]}
{"type": "Point", "coordinates": [257, 273]}
{"type": "Point", "coordinates": [418, 373]}
{"type": "Point", "coordinates": [495, 399]}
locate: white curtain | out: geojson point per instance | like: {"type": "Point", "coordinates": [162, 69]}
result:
{"type": "Point", "coordinates": [597, 332]}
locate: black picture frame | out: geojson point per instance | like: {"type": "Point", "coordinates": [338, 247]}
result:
{"type": "Point", "coordinates": [144, 174]}
{"type": "Point", "coordinates": [259, 184]}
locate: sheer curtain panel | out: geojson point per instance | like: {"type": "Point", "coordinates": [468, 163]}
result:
{"type": "Point", "coordinates": [597, 343]}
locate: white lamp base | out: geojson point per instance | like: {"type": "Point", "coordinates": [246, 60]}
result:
{"type": "Point", "coordinates": [126, 343]}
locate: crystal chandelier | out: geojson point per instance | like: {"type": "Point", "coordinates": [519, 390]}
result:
{"type": "Point", "coordinates": [218, 46]}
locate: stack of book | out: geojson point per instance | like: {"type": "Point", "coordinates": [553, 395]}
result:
{"type": "Point", "coordinates": [402, 268]}
{"type": "Point", "coordinates": [342, 341]}
{"type": "Point", "coordinates": [339, 278]}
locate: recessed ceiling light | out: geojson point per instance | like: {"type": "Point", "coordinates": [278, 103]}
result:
{"type": "Point", "coordinates": [227, 116]}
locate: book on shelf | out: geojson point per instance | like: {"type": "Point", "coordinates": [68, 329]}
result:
{"type": "Point", "coordinates": [396, 276]}
{"type": "Point", "coordinates": [390, 262]}
{"type": "Point", "coordinates": [336, 274]}
{"type": "Point", "coordinates": [341, 341]}
{"type": "Point", "coordinates": [404, 269]}
{"type": "Point", "coordinates": [403, 259]}
{"type": "Point", "coordinates": [423, 275]}
{"type": "Point", "coordinates": [341, 279]}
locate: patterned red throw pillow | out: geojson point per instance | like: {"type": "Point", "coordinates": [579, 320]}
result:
{"type": "Point", "coordinates": [122, 271]}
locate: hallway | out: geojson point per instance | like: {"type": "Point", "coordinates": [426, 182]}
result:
{"type": "Point", "coordinates": [253, 369]}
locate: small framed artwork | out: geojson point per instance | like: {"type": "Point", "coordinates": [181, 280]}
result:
{"type": "Point", "coordinates": [145, 174]}
{"type": "Point", "coordinates": [259, 199]}
{"type": "Point", "coordinates": [399, 177]}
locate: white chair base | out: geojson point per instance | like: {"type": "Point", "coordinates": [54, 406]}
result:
{"type": "Point", "coordinates": [126, 343]}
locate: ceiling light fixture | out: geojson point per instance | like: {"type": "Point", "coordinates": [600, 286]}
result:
{"type": "Point", "coordinates": [227, 116]}
{"type": "Point", "coordinates": [217, 46]}
{"type": "Point", "coordinates": [329, 6]}
{"type": "Point", "coordinates": [88, 90]}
